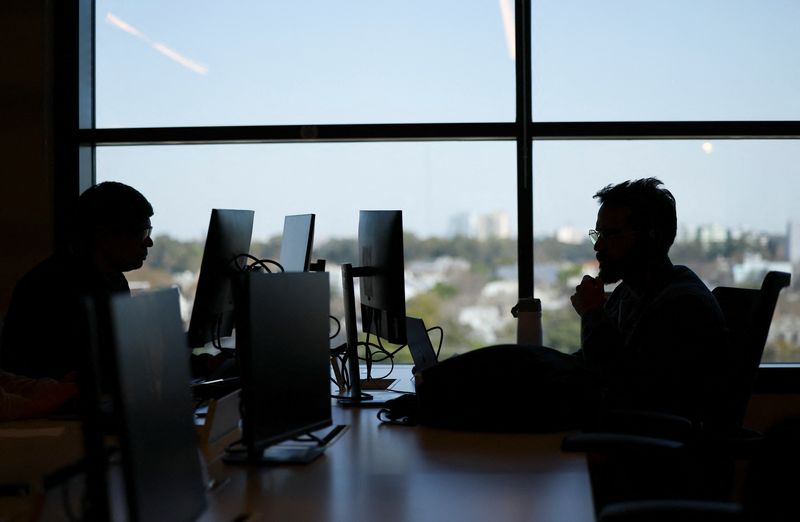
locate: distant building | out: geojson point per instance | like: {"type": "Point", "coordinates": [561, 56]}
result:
{"type": "Point", "coordinates": [571, 235]}
{"type": "Point", "coordinates": [793, 242]}
{"type": "Point", "coordinates": [754, 267]}
{"type": "Point", "coordinates": [481, 226]}
{"type": "Point", "coordinates": [712, 234]}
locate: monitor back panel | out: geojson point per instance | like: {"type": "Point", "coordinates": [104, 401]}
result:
{"type": "Point", "coordinates": [283, 350]}
{"type": "Point", "coordinates": [161, 463]}
{"type": "Point", "coordinates": [297, 242]}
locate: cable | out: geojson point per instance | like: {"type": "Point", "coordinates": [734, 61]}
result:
{"type": "Point", "coordinates": [338, 327]}
{"type": "Point", "coordinates": [441, 338]}
{"type": "Point", "coordinates": [216, 336]}
{"type": "Point", "coordinates": [263, 264]}
{"type": "Point", "coordinates": [256, 262]}
{"type": "Point", "coordinates": [376, 353]}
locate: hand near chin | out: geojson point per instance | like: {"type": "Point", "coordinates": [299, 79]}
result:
{"type": "Point", "coordinates": [589, 295]}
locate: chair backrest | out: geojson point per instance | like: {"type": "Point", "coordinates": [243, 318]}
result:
{"type": "Point", "coordinates": [748, 314]}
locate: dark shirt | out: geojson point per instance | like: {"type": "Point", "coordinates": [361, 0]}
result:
{"type": "Point", "coordinates": [659, 350]}
{"type": "Point", "coordinates": [44, 334]}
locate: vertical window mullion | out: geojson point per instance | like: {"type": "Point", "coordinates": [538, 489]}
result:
{"type": "Point", "coordinates": [522, 24]}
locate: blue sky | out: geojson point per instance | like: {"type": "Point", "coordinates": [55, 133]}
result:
{"type": "Point", "coordinates": [203, 62]}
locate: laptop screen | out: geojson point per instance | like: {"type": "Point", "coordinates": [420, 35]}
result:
{"type": "Point", "coordinates": [419, 344]}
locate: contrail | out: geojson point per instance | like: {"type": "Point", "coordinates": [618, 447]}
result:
{"type": "Point", "coordinates": [508, 26]}
{"type": "Point", "coordinates": [161, 48]}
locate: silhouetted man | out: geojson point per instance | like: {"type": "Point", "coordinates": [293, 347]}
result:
{"type": "Point", "coordinates": [656, 342]}
{"type": "Point", "coordinates": [43, 335]}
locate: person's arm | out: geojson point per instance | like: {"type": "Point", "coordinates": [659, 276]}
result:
{"type": "Point", "coordinates": [599, 336]}
{"type": "Point", "coordinates": [25, 398]}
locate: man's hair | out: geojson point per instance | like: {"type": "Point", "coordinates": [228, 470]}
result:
{"type": "Point", "coordinates": [110, 204]}
{"type": "Point", "coordinates": [652, 207]}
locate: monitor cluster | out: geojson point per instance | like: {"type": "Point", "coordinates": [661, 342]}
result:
{"type": "Point", "coordinates": [268, 321]}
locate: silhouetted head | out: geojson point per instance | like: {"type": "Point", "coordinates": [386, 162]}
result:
{"type": "Point", "coordinates": [636, 224]}
{"type": "Point", "coordinates": [112, 226]}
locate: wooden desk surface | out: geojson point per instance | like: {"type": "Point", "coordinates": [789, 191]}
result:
{"type": "Point", "coordinates": [375, 471]}
{"type": "Point", "coordinates": [371, 472]}
{"type": "Point", "coordinates": [30, 450]}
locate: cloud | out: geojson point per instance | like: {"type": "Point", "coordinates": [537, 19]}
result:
{"type": "Point", "coordinates": [161, 48]}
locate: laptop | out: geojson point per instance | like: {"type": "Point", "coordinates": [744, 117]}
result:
{"type": "Point", "coordinates": [419, 344]}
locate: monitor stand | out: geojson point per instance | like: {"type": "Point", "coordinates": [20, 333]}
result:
{"type": "Point", "coordinates": [354, 395]}
{"type": "Point", "coordinates": [277, 455]}
{"type": "Point", "coordinates": [377, 384]}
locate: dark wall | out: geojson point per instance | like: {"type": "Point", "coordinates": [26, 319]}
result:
{"type": "Point", "coordinates": [26, 156]}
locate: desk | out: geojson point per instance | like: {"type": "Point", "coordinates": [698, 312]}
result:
{"type": "Point", "coordinates": [375, 472]}
{"type": "Point", "coordinates": [391, 473]}
{"type": "Point", "coordinates": [30, 450]}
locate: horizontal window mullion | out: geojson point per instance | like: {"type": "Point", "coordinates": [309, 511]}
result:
{"type": "Point", "coordinates": [299, 133]}
{"type": "Point", "coordinates": [667, 130]}
{"type": "Point", "coordinates": [443, 131]}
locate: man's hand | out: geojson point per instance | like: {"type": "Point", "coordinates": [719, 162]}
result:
{"type": "Point", "coordinates": [589, 295]}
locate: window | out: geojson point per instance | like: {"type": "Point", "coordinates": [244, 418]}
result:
{"type": "Point", "coordinates": [650, 60]}
{"type": "Point", "coordinates": [204, 63]}
{"type": "Point", "coordinates": [458, 214]}
{"type": "Point", "coordinates": [509, 114]}
{"type": "Point", "coordinates": [726, 232]}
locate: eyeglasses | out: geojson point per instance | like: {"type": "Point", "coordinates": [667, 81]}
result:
{"type": "Point", "coordinates": [597, 235]}
{"type": "Point", "coordinates": [143, 233]}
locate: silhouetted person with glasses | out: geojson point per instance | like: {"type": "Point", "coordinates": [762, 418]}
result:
{"type": "Point", "coordinates": [44, 333]}
{"type": "Point", "coordinates": [657, 341]}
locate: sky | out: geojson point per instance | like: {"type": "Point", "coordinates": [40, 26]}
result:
{"type": "Point", "coordinates": [253, 62]}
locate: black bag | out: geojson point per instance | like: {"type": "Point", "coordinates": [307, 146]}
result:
{"type": "Point", "coordinates": [503, 388]}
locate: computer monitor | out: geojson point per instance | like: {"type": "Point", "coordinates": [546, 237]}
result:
{"type": "Point", "coordinates": [297, 242]}
{"type": "Point", "coordinates": [382, 288]}
{"type": "Point", "coordinates": [283, 351]}
{"type": "Point", "coordinates": [158, 442]}
{"type": "Point", "coordinates": [383, 296]}
{"type": "Point", "coordinates": [229, 233]}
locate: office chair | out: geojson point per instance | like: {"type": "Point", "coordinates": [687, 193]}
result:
{"type": "Point", "coordinates": [768, 496]}
{"type": "Point", "coordinates": [748, 314]}
{"type": "Point", "coordinates": [650, 455]}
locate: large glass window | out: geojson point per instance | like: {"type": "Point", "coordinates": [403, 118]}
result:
{"type": "Point", "coordinates": [268, 64]}
{"type": "Point", "coordinates": [684, 60]}
{"type": "Point", "coordinates": [737, 218]}
{"type": "Point", "coordinates": [251, 62]}
{"type": "Point", "coordinates": [458, 203]}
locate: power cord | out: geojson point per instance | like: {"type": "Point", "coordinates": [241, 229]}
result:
{"type": "Point", "coordinates": [255, 263]}
{"type": "Point", "coordinates": [338, 327]}
{"type": "Point", "coordinates": [374, 353]}
{"type": "Point", "coordinates": [441, 338]}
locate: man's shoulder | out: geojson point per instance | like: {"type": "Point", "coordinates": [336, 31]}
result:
{"type": "Point", "coordinates": [684, 280]}
{"type": "Point", "coordinates": [686, 287]}
{"type": "Point", "coordinates": [57, 274]}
